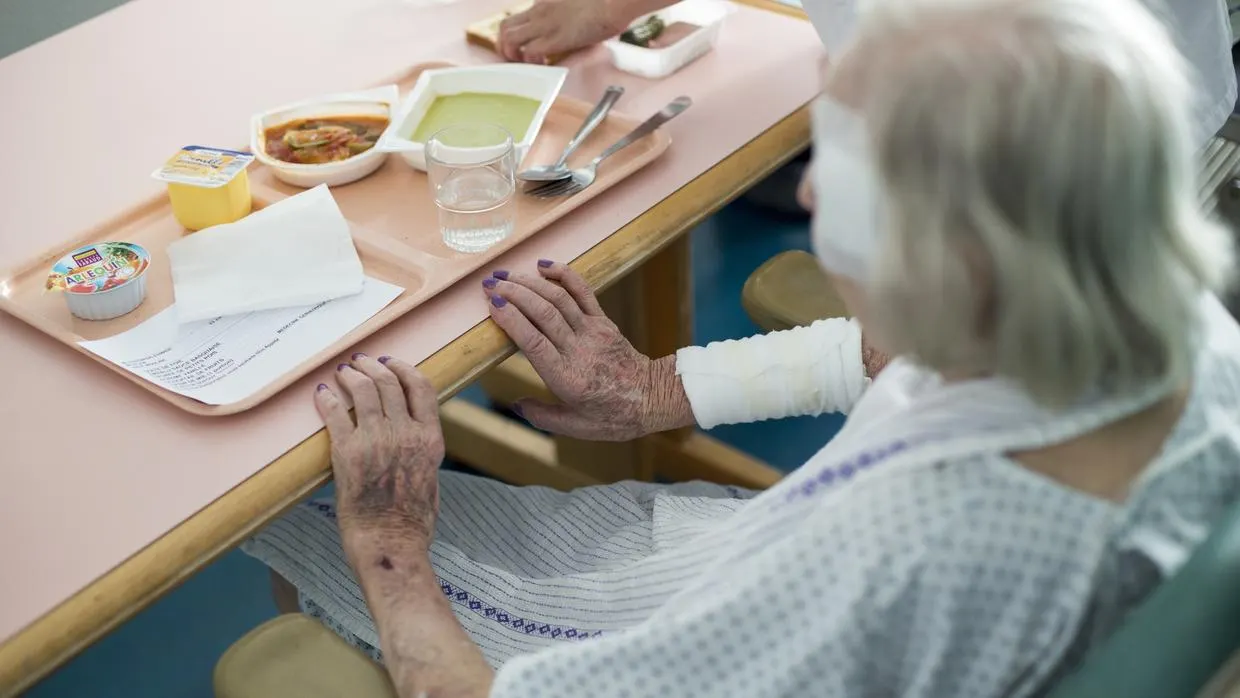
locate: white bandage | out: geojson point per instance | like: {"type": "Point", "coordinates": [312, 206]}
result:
{"type": "Point", "coordinates": [803, 371]}
{"type": "Point", "coordinates": [847, 208]}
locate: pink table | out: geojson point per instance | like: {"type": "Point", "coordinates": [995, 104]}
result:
{"type": "Point", "coordinates": [97, 470]}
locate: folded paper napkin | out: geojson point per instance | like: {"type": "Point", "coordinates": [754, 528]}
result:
{"type": "Point", "coordinates": [296, 252]}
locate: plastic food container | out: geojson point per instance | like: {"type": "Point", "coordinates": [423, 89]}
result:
{"type": "Point", "coordinates": [101, 281]}
{"type": "Point", "coordinates": [379, 102]}
{"type": "Point", "coordinates": [207, 186]}
{"type": "Point", "coordinates": [536, 82]}
{"type": "Point", "coordinates": [656, 63]}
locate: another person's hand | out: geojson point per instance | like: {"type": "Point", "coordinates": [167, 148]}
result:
{"type": "Point", "coordinates": [609, 391]}
{"type": "Point", "coordinates": [387, 465]}
{"type": "Point", "coordinates": [553, 27]}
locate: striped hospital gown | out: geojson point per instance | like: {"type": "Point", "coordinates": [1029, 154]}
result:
{"type": "Point", "coordinates": [907, 558]}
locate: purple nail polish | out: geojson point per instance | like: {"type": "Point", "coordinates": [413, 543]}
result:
{"type": "Point", "coordinates": [544, 263]}
{"type": "Point", "coordinates": [499, 301]}
{"type": "Point", "coordinates": [342, 367]}
{"type": "Point", "coordinates": [358, 355]}
{"type": "Point", "coordinates": [489, 283]}
{"type": "Point", "coordinates": [384, 359]}
{"type": "Point", "coordinates": [322, 387]}
{"type": "Point", "coordinates": [501, 274]}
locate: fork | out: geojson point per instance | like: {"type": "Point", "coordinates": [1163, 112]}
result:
{"type": "Point", "coordinates": [558, 171]}
{"type": "Point", "coordinates": [585, 176]}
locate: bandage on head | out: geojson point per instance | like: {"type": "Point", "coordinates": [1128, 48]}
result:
{"type": "Point", "coordinates": [847, 191]}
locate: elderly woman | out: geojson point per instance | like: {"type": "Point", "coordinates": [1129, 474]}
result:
{"type": "Point", "coordinates": [1005, 199]}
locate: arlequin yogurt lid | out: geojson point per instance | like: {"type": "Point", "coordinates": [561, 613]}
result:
{"type": "Point", "coordinates": [98, 268]}
{"type": "Point", "coordinates": [203, 167]}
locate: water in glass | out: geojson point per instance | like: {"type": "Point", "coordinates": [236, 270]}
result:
{"type": "Point", "coordinates": [470, 168]}
{"type": "Point", "coordinates": [477, 207]}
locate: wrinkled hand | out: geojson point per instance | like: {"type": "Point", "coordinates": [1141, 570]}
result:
{"type": "Point", "coordinates": [387, 465]}
{"type": "Point", "coordinates": [873, 359]}
{"type": "Point", "coordinates": [609, 391]}
{"type": "Point", "coordinates": [805, 189]}
{"type": "Point", "coordinates": [553, 27]}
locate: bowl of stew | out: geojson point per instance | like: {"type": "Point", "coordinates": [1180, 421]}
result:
{"type": "Point", "coordinates": [328, 140]}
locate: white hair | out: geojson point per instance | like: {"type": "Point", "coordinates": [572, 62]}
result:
{"type": "Point", "coordinates": [1041, 191]}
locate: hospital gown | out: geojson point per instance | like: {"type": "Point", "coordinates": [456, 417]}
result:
{"type": "Point", "coordinates": [908, 557]}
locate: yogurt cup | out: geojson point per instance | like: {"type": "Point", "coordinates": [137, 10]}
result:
{"type": "Point", "coordinates": [207, 186]}
{"type": "Point", "coordinates": [101, 281]}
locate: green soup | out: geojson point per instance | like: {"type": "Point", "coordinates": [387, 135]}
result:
{"type": "Point", "coordinates": [513, 113]}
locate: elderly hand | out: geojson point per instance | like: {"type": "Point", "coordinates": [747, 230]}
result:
{"type": "Point", "coordinates": [387, 465]}
{"type": "Point", "coordinates": [805, 189]}
{"type": "Point", "coordinates": [873, 359]}
{"type": "Point", "coordinates": [609, 391]}
{"type": "Point", "coordinates": [553, 27]}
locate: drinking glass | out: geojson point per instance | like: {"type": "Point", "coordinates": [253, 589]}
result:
{"type": "Point", "coordinates": [471, 168]}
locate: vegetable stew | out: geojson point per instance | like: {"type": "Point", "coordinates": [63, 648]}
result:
{"type": "Point", "coordinates": [323, 140]}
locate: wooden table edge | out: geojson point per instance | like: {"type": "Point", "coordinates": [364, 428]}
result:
{"type": "Point", "coordinates": [63, 632]}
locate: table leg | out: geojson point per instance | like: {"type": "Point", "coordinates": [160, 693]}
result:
{"type": "Point", "coordinates": [284, 594]}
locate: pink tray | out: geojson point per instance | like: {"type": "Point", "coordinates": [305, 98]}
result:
{"type": "Point", "coordinates": [395, 229]}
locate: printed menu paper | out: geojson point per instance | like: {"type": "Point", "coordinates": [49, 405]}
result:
{"type": "Point", "coordinates": [228, 359]}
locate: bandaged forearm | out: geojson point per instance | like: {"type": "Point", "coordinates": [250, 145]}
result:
{"type": "Point", "coordinates": [803, 371]}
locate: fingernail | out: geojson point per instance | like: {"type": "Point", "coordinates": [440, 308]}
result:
{"type": "Point", "coordinates": [500, 274]}
{"type": "Point", "coordinates": [499, 301]}
{"type": "Point", "coordinates": [544, 263]}
{"type": "Point", "coordinates": [322, 387]}
{"type": "Point", "coordinates": [384, 359]}
{"type": "Point", "coordinates": [516, 409]}
{"type": "Point", "coordinates": [489, 283]}
{"type": "Point", "coordinates": [342, 367]}
{"type": "Point", "coordinates": [358, 355]}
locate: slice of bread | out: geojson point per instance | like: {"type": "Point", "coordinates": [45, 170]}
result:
{"type": "Point", "coordinates": [485, 32]}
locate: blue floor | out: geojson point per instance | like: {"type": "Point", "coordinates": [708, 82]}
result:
{"type": "Point", "coordinates": [171, 648]}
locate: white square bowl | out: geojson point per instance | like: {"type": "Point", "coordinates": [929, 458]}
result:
{"type": "Point", "coordinates": [380, 101]}
{"type": "Point", "coordinates": [657, 63]}
{"type": "Point", "coordinates": [536, 82]}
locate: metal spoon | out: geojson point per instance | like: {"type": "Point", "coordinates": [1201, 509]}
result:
{"type": "Point", "coordinates": [551, 173]}
{"type": "Point", "coordinates": [584, 176]}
